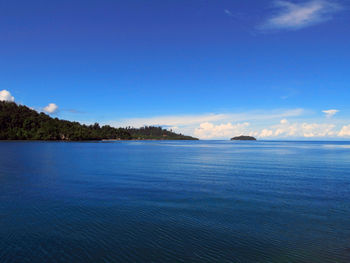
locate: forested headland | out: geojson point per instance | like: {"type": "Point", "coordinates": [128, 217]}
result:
{"type": "Point", "coordinates": [18, 122]}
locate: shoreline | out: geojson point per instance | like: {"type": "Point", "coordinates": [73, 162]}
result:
{"type": "Point", "coordinates": [102, 140]}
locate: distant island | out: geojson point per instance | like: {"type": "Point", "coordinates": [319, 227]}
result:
{"type": "Point", "coordinates": [19, 122]}
{"type": "Point", "coordinates": [243, 138]}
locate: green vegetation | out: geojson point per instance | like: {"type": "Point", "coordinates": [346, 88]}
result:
{"type": "Point", "coordinates": [156, 133]}
{"type": "Point", "coordinates": [18, 122]}
{"type": "Point", "coordinates": [243, 138]}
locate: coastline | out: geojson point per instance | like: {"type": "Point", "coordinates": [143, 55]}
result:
{"type": "Point", "coordinates": [102, 140]}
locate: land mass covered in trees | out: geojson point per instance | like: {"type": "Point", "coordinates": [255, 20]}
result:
{"type": "Point", "coordinates": [18, 122]}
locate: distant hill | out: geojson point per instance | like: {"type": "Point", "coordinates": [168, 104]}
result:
{"type": "Point", "coordinates": [243, 138]}
{"type": "Point", "coordinates": [19, 122]}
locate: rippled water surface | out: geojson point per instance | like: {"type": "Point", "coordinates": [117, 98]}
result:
{"type": "Point", "coordinates": [185, 201]}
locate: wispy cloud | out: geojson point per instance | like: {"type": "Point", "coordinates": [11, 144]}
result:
{"type": "Point", "coordinates": [292, 16]}
{"type": "Point", "coordinates": [330, 113]}
{"type": "Point", "coordinates": [74, 111]}
{"type": "Point", "coordinates": [188, 120]}
{"type": "Point", "coordinates": [171, 120]}
{"type": "Point", "coordinates": [228, 12]}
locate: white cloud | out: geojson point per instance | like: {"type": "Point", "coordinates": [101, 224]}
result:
{"type": "Point", "coordinates": [330, 113]}
{"type": "Point", "coordinates": [298, 130]}
{"type": "Point", "coordinates": [345, 131]}
{"type": "Point", "coordinates": [284, 121]}
{"type": "Point", "coordinates": [208, 130]}
{"type": "Point", "coordinates": [5, 95]}
{"type": "Point", "coordinates": [266, 133]}
{"type": "Point", "coordinates": [51, 108]}
{"type": "Point", "coordinates": [299, 15]}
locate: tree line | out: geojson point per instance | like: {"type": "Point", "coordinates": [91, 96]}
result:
{"type": "Point", "coordinates": [18, 122]}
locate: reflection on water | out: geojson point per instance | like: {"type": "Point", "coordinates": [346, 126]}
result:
{"type": "Point", "coordinates": [175, 201]}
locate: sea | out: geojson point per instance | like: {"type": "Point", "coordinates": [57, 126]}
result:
{"type": "Point", "coordinates": [175, 201]}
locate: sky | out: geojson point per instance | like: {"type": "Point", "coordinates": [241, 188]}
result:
{"type": "Point", "coordinates": [212, 69]}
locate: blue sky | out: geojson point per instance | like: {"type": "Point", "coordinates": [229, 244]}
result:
{"type": "Point", "coordinates": [213, 69]}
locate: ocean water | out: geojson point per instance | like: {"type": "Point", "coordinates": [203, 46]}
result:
{"type": "Point", "coordinates": [175, 201]}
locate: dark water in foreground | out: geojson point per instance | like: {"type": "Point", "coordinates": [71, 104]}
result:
{"type": "Point", "coordinates": [175, 202]}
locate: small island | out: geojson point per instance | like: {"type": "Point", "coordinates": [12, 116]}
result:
{"type": "Point", "coordinates": [243, 138]}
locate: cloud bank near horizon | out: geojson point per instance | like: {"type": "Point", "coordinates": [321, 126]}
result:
{"type": "Point", "coordinates": [263, 124]}
{"type": "Point", "coordinates": [276, 124]}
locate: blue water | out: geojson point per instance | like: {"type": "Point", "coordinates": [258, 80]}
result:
{"type": "Point", "coordinates": [175, 201]}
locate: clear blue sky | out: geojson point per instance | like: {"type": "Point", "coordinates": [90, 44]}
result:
{"type": "Point", "coordinates": [197, 66]}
